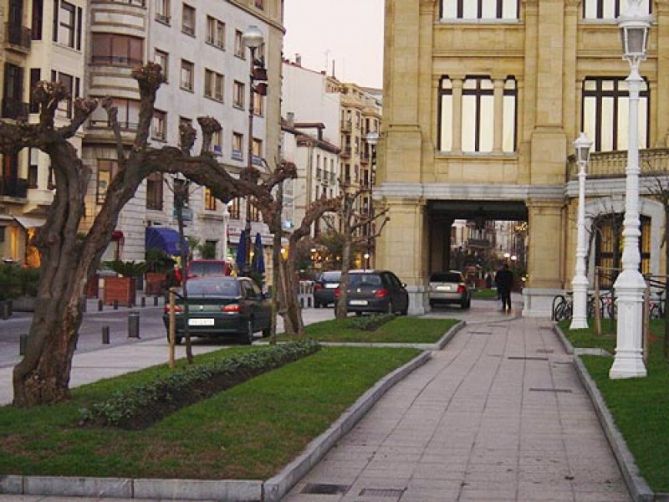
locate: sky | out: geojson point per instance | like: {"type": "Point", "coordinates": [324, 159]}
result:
{"type": "Point", "coordinates": [350, 32]}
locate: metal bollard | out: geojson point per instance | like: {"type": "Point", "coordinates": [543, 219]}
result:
{"type": "Point", "coordinates": [23, 342]}
{"type": "Point", "coordinates": [10, 308]}
{"type": "Point", "coordinates": [84, 305]}
{"type": "Point", "coordinates": [100, 305]}
{"type": "Point", "coordinates": [4, 310]}
{"type": "Point", "coordinates": [143, 301]}
{"type": "Point", "coordinates": [115, 304]}
{"type": "Point", "coordinates": [155, 301]}
{"type": "Point", "coordinates": [133, 324]}
{"type": "Point", "coordinates": [105, 335]}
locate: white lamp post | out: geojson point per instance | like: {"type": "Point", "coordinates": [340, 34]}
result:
{"type": "Point", "coordinates": [372, 139]}
{"type": "Point", "coordinates": [579, 283]}
{"type": "Point", "coordinates": [226, 223]}
{"type": "Point", "coordinates": [629, 286]}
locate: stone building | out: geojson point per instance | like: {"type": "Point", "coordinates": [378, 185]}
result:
{"type": "Point", "coordinates": [482, 103]}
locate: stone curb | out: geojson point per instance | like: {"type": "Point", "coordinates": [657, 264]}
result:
{"type": "Point", "coordinates": [636, 485]}
{"type": "Point", "coordinates": [449, 335]}
{"type": "Point", "coordinates": [277, 487]}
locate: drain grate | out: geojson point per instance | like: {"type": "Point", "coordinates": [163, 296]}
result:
{"type": "Point", "coordinates": [537, 389]}
{"type": "Point", "coordinates": [382, 492]}
{"type": "Point", "coordinates": [324, 489]}
{"type": "Point", "coordinates": [527, 358]}
{"type": "Point", "coordinates": [545, 351]}
{"type": "Point", "coordinates": [480, 333]}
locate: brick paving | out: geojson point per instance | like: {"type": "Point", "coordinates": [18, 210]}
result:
{"type": "Point", "coordinates": [498, 415]}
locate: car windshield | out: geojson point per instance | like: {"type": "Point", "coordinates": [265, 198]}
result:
{"type": "Point", "coordinates": [331, 276]}
{"type": "Point", "coordinates": [207, 268]}
{"type": "Point", "coordinates": [446, 277]}
{"type": "Point", "coordinates": [358, 280]}
{"type": "Point", "coordinates": [223, 288]}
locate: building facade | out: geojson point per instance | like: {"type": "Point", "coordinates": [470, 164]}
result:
{"type": "Point", "coordinates": [482, 103]}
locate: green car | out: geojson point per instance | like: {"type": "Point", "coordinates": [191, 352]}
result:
{"type": "Point", "coordinates": [221, 306]}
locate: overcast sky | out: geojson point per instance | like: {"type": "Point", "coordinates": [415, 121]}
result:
{"type": "Point", "coordinates": [350, 32]}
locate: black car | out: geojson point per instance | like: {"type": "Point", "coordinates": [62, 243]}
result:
{"type": "Point", "coordinates": [376, 291]}
{"type": "Point", "coordinates": [220, 305]}
{"type": "Point", "coordinates": [324, 288]}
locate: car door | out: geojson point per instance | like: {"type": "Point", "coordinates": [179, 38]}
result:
{"type": "Point", "coordinates": [401, 293]}
{"type": "Point", "coordinates": [247, 301]}
{"type": "Point", "coordinates": [263, 308]}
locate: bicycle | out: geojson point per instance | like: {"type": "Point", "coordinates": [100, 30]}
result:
{"type": "Point", "coordinates": [656, 306]}
{"type": "Point", "coordinates": [563, 307]}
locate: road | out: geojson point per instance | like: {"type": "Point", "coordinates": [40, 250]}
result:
{"type": "Point", "coordinates": [90, 333]}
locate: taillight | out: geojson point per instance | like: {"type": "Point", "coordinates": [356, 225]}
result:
{"type": "Point", "coordinates": [381, 293]}
{"type": "Point", "coordinates": [337, 292]}
{"type": "Point", "coordinates": [461, 289]}
{"type": "Point", "coordinates": [234, 307]}
{"type": "Point", "coordinates": [177, 309]}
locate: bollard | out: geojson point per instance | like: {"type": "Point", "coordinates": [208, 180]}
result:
{"type": "Point", "coordinates": [133, 324]}
{"type": "Point", "coordinates": [143, 301]}
{"type": "Point", "coordinates": [100, 305]}
{"type": "Point", "coordinates": [10, 308]}
{"type": "Point", "coordinates": [115, 304]}
{"type": "Point", "coordinates": [105, 335]}
{"type": "Point", "coordinates": [155, 301]}
{"type": "Point", "coordinates": [4, 310]}
{"type": "Point", "coordinates": [23, 342]}
{"type": "Point", "coordinates": [84, 305]}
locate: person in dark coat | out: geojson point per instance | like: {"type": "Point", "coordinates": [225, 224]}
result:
{"type": "Point", "coordinates": [504, 280]}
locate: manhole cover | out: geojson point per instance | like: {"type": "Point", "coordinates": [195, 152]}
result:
{"type": "Point", "coordinates": [535, 389]}
{"type": "Point", "coordinates": [325, 489]}
{"type": "Point", "coordinates": [381, 492]}
{"type": "Point", "coordinates": [527, 358]}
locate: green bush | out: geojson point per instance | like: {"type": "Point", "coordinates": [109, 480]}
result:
{"type": "Point", "coordinates": [370, 323]}
{"type": "Point", "coordinates": [16, 281]}
{"type": "Point", "coordinates": [140, 406]}
{"type": "Point", "coordinates": [126, 268]}
{"type": "Point", "coordinates": [159, 261]}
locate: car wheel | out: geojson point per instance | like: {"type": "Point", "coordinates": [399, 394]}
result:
{"type": "Point", "coordinates": [248, 334]}
{"type": "Point", "coordinates": [317, 305]}
{"type": "Point", "coordinates": [267, 332]}
{"type": "Point", "coordinates": [177, 339]}
{"type": "Point", "coordinates": [358, 314]}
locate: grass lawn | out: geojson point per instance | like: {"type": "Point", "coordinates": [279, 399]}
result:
{"type": "Point", "coordinates": [586, 338]}
{"type": "Point", "coordinates": [640, 408]}
{"type": "Point", "coordinates": [484, 294]}
{"type": "Point", "coordinates": [399, 330]}
{"type": "Point", "coordinates": [247, 432]}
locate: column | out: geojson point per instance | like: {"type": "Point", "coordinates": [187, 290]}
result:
{"type": "Point", "coordinates": [457, 114]}
{"type": "Point", "coordinates": [499, 115]}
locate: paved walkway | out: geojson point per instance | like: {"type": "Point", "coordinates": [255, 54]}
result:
{"type": "Point", "coordinates": [498, 415]}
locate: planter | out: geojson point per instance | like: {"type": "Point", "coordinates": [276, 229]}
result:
{"type": "Point", "coordinates": [23, 304]}
{"type": "Point", "coordinates": [154, 283]}
{"type": "Point", "coordinates": [120, 289]}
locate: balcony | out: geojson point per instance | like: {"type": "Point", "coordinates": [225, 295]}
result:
{"type": "Point", "coordinates": [104, 124]}
{"type": "Point", "coordinates": [116, 61]}
{"type": "Point", "coordinates": [14, 187]}
{"type": "Point", "coordinates": [652, 161]}
{"type": "Point", "coordinates": [14, 109]}
{"type": "Point", "coordinates": [346, 125]}
{"type": "Point", "coordinates": [18, 37]}
{"type": "Point", "coordinates": [346, 152]}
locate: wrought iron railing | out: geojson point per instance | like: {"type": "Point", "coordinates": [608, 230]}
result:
{"type": "Point", "coordinates": [18, 36]}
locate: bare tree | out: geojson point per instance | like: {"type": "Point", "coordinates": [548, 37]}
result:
{"type": "Point", "coordinates": [43, 374]}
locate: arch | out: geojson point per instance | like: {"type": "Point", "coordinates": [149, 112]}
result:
{"type": "Point", "coordinates": [647, 207]}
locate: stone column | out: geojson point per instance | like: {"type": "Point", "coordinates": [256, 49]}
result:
{"type": "Point", "coordinates": [499, 115]}
{"type": "Point", "coordinates": [457, 115]}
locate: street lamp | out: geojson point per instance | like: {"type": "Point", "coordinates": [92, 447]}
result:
{"type": "Point", "coordinates": [634, 25]}
{"type": "Point", "coordinates": [372, 139]}
{"type": "Point", "coordinates": [579, 283]}
{"type": "Point", "coordinates": [253, 39]}
{"type": "Point", "coordinates": [226, 223]}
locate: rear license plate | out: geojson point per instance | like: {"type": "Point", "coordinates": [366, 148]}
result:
{"type": "Point", "coordinates": [357, 302]}
{"type": "Point", "coordinates": [443, 288]}
{"type": "Point", "coordinates": [331, 286]}
{"type": "Point", "coordinates": [200, 322]}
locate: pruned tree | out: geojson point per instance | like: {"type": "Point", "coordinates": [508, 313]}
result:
{"type": "Point", "coordinates": [353, 222]}
{"type": "Point", "coordinates": [68, 259]}
{"type": "Point", "coordinates": [292, 311]}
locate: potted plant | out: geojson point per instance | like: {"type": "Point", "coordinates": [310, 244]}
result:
{"type": "Point", "coordinates": [158, 264]}
{"type": "Point", "coordinates": [19, 287]}
{"type": "Point", "coordinates": [123, 287]}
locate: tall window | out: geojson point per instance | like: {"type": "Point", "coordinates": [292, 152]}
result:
{"type": "Point", "coordinates": [159, 125]}
{"type": "Point", "coordinates": [606, 112]}
{"type": "Point", "coordinates": [186, 75]}
{"type": "Point", "coordinates": [188, 20]}
{"type": "Point", "coordinates": [258, 102]}
{"type": "Point", "coordinates": [609, 9]}
{"type": "Point", "coordinates": [237, 146]}
{"type": "Point", "coordinates": [609, 245]}
{"type": "Point", "coordinates": [239, 44]}
{"type": "Point", "coordinates": [479, 9]}
{"type": "Point", "coordinates": [37, 20]}
{"type": "Point", "coordinates": [120, 50]}
{"type": "Point", "coordinates": [445, 115]}
{"type": "Point", "coordinates": [67, 24]}
{"type": "Point", "coordinates": [217, 142]}
{"type": "Point", "coordinates": [163, 11]}
{"type": "Point", "coordinates": [163, 59]}
{"type": "Point", "coordinates": [509, 116]}
{"type": "Point", "coordinates": [257, 150]}
{"type": "Point", "coordinates": [234, 209]}
{"type": "Point", "coordinates": [477, 114]}
{"type": "Point", "coordinates": [238, 94]}
{"type": "Point", "coordinates": [106, 171]}
{"type": "Point", "coordinates": [209, 200]}
{"type": "Point", "coordinates": [154, 191]}
{"type": "Point", "coordinates": [213, 85]}
{"type": "Point", "coordinates": [72, 86]}
{"type": "Point", "coordinates": [215, 32]}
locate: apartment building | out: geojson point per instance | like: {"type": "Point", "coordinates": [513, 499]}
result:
{"type": "Point", "coordinates": [483, 101]}
{"type": "Point", "coordinates": [40, 41]}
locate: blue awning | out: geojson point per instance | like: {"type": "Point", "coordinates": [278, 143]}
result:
{"type": "Point", "coordinates": [165, 239]}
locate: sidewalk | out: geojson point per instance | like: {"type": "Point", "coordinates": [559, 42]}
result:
{"type": "Point", "coordinates": [498, 415]}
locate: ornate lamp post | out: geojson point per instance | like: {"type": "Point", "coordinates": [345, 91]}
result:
{"type": "Point", "coordinates": [580, 282]}
{"type": "Point", "coordinates": [226, 223]}
{"type": "Point", "coordinates": [634, 25]}
{"type": "Point", "coordinates": [253, 39]}
{"type": "Point", "coordinates": [372, 139]}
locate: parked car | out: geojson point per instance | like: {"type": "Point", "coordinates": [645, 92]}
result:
{"type": "Point", "coordinates": [375, 291]}
{"type": "Point", "coordinates": [221, 306]}
{"type": "Point", "coordinates": [204, 268]}
{"type": "Point", "coordinates": [449, 287]}
{"type": "Point", "coordinates": [324, 288]}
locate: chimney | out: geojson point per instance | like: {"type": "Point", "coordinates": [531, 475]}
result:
{"type": "Point", "coordinates": [290, 119]}
{"type": "Point", "coordinates": [298, 60]}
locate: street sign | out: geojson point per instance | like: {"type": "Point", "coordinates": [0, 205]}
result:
{"type": "Point", "coordinates": [186, 213]}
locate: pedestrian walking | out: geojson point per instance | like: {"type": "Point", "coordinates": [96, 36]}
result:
{"type": "Point", "coordinates": [504, 280]}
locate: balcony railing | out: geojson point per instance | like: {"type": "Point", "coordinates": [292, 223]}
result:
{"type": "Point", "coordinates": [652, 161]}
{"type": "Point", "coordinates": [14, 109]}
{"type": "Point", "coordinates": [346, 125]}
{"type": "Point", "coordinates": [104, 124]}
{"type": "Point", "coordinates": [116, 61]}
{"type": "Point", "coordinates": [14, 187]}
{"type": "Point", "coordinates": [346, 152]}
{"type": "Point", "coordinates": [137, 3]}
{"type": "Point", "coordinates": [18, 36]}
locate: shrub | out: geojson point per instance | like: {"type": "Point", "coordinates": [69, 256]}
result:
{"type": "Point", "coordinates": [372, 322]}
{"type": "Point", "coordinates": [139, 406]}
{"type": "Point", "coordinates": [126, 268]}
{"type": "Point", "coordinates": [16, 281]}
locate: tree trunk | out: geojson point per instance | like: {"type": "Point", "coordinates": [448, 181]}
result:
{"type": "Point", "coordinates": [341, 310]}
{"type": "Point", "coordinates": [665, 345]}
{"type": "Point", "coordinates": [277, 231]}
{"type": "Point", "coordinates": [293, 312]}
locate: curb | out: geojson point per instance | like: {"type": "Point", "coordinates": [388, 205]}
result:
{"type": "Point", "coordinates": [636, 484]}
{"type": "Point", "coordinates": [275, 488]}
{"type": "Point", "coordinates": [449, 335]}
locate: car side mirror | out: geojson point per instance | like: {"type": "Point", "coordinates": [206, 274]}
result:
{"type": "Point", "coordinates": [404, 284]}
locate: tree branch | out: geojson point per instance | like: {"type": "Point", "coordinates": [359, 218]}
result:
{"type": "Point", "coordinates": [208, 125]}
{"type": "Point", "coordinates": [149, 78]}
{"type": "Point", "coordinates": [112, 117]}
{"type": "Point", "coordinates": [83, 107]}
{"type": "Point", "coordinates": [47, 95]}
{"type": "Point", "coordinates": [187, 135]}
